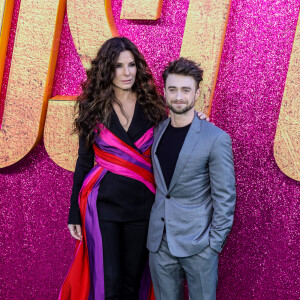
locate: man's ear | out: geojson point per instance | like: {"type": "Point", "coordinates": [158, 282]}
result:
{"type": "Point", "coordinates": [198, 93]}
{"type": "Point", "coordinates": [164, 92]}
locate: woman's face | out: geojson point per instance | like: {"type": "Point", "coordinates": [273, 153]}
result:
{"type": "Point", "coordinates": [125, 71]}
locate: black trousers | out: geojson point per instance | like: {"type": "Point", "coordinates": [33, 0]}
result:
{"type": "Point", "coordinates": [124, 257]}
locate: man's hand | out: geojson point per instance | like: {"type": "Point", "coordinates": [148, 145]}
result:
{"type": "Point", "coordinates": [75, 231]}
{"type": "Point", "coordinates": [202, 116]}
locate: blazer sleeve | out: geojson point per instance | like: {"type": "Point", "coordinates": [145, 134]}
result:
{"type": "Point", "coordinates": [223, 193]}
{"type": "Point", "coordinates": [84, 164]}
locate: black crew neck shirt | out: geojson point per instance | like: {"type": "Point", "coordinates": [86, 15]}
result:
{"type": "Point", "coordinates": [169, 148]}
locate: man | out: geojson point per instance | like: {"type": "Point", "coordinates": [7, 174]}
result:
{"type": "Point", "coordinates": [195, 195]}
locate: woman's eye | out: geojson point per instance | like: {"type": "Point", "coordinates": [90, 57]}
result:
{"type": "Point", "coordinates": [118, 66]}
{"type": "Point", "coordinates": [132, 64]}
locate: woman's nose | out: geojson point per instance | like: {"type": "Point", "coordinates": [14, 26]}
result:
{"type": "Point", "coordinates": [126, 71]}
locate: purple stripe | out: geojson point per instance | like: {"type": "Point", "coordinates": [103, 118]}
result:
{"type": "Point", "coordinates": [119, 153]}
{"type": "Point", "coordinates": [147, 135]}
{"type": "Point", "coordinates": [94, 243]}
{"type": "Point", "coordinates": [147, 144]}
{"type": "Point", "coordinates": [145, 283]}
{"type": "Point", "coordinates": [115, 142]}
{"type": "Point", "coordinates": [142, 148]}
{"type": "Point", "coordinates": [87, 178]}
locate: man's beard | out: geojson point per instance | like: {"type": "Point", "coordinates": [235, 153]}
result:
{"type": "Point", "coordinates": [183, 110]}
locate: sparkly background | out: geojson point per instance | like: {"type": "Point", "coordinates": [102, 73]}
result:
{"type": "Point", "coordinates": [260, 259]}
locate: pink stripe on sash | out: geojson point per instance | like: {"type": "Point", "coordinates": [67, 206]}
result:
{"type": "Point", "coordinates": [110, 139]}
{"type": "Point", "coordinates": [125, 172]}
{"type": "Point", "coordinates": [145, 138]}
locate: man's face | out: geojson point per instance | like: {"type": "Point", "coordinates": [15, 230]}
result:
{"type": "Point", "coordinates": [180, 93]}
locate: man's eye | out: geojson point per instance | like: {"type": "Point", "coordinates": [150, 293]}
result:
{"type": "Point", "coordinates": [186, 91]}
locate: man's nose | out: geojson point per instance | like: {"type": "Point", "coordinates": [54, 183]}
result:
{"type": "Point", "coordinates": [179, 95]}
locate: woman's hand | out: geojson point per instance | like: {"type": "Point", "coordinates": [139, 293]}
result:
{"type": "Point", "coordinates": [201, 115]}
{"type": "Point", "coordinates": [75, 231]}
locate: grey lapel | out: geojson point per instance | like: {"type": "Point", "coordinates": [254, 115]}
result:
{"type": "Point", "coordinates": [186, 150]}
{"type": "Point", "coordinates": [159, 134]}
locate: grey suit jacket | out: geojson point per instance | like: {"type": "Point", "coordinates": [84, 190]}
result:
{"type": "Point", "coordinates": [197, 208]}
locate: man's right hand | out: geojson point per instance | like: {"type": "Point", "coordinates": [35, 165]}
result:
{"type": "Point", "coordinates": [75, 231]}
{"type": "Point", "coordinates": [202, 116]}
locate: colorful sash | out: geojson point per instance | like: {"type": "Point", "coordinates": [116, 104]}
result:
{"type": "Point", "coordinates": [85, 279]}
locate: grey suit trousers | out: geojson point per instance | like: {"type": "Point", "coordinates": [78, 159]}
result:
{"type": "Point", "coordinates": [168, 273]}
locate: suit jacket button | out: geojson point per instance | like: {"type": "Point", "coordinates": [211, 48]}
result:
{"type": "Point", "coordinates": [163, 219]}
{"type": "Point", "coordinates": [168, 196]}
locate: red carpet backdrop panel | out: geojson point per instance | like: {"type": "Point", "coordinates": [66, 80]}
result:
{"type": "Point", "coordinates": [249, 51]}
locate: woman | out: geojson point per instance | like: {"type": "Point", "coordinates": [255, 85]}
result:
{"type": "Point", "coordinates": [118, 108]}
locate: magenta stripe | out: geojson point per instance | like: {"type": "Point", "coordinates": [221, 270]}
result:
{"type": "Point", "coordinates": [110, 139]}
{"type": "Point", "coordinates": [146, 145]}
{"type": "Point", "coordinates": [119, 153]}
{"type": "Point", "coordinates": [125, 172]}
{"type": "Point", "coordinates": [145, 138]}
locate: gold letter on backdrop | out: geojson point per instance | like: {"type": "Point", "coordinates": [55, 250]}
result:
{"type": "Point", "coordinates": [203, 41]}
{"type": "Point", "coordinates": [6, 11]}
{"type": "Point", "coordinates": [141, 9]}
{"type": "Point", "coordinates": [91, 24]}
{"type": "Point", "coordinates": [89, 27]}
{"type": "Point", "coordinates": [61, 146]}
{"type": "Point", "coordinates": [2, 8]}
{"type": "Point", "coordinates": [287, 139]}
{"type": "Point", "coordinates": [30, 79]}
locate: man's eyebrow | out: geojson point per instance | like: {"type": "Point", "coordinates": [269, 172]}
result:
{"type": "Point", "coordinates": [175, 87]}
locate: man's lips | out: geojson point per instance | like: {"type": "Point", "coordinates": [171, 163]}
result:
{"type": "Point", "coordinates": [178, 102]}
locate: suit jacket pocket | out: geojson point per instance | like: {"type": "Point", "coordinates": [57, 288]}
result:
{"type": "Point", "coordinates": [200, 227]}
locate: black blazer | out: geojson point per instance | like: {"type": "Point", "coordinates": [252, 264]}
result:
{"type": "Point", "coordinates": [120, 198]}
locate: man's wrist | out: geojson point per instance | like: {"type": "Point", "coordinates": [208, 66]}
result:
{"type": "Point", "coordinates": [215, 246]}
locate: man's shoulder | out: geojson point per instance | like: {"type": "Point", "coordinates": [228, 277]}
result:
{"type": "Point", "coordinates": [212, 130]}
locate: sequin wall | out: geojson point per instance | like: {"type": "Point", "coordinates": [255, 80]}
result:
{"type": "Point", "coordinates": [260, 259]}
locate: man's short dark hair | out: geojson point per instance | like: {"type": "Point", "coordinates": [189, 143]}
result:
{"type": "Point", "coordinates": [185, 67]}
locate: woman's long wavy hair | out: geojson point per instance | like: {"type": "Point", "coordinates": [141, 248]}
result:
{"type": "Point", "coordinates": [95, 103]}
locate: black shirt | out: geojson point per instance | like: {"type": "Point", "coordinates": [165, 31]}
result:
{"type": "Point", "coordinates": [169, 148]}
{"type": "Point", "coordinates": [120, 198]}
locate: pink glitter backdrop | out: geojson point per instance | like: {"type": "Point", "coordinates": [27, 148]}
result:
{"type": "Point", "coordinates": [260, 260]}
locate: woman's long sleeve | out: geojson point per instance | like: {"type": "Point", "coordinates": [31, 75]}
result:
{"type": "Point", "coordinates": [84, 164]}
